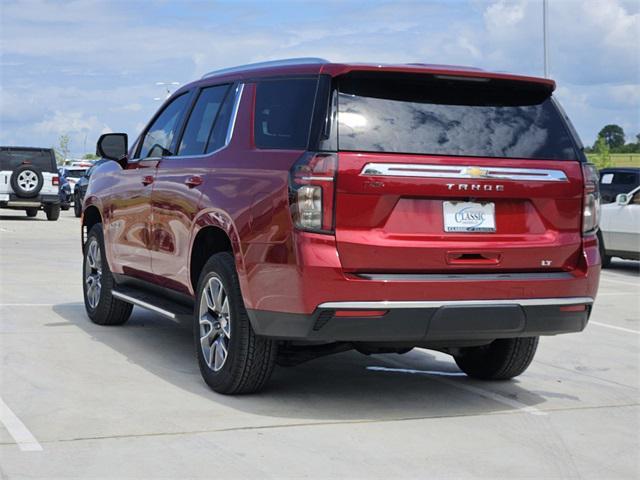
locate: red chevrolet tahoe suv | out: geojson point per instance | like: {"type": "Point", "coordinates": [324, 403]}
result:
{"type": "Point", "coordinates": [298, 208]}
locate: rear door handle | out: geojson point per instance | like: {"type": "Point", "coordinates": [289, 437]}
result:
{"type": "Point", "coordinates": [194, 181]}
{"type": "Point", "coordinates": [147, 180]}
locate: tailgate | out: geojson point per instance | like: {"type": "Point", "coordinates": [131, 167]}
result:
{"type": "Point", "coordinates": [390, 213]}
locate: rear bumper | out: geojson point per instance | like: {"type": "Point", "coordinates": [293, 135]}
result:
{"type": "Point", "coordinates": [429, 321]}
{"type": "Point", "coordinates": [14, 201]}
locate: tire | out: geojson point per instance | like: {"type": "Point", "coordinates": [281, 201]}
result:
{"type": "Point", "coordinates": [52, 211]}
{"type": "Point", "coordinates": [249, 359]}
{"type": "Point", "coordinates": [27, 181]}
{"type": "Point", "coordinates": [101, 306]}
{"type": "Point", "coordinates": [77, 206]}
{"type": "Point", "coordinates": [32, 212]}
{"type": "Point", "coordinates": [64, 206]}
{"type": "Point", "coordinates": [502, 359]}
{"type": "Point", "coordinates": [604, 258]}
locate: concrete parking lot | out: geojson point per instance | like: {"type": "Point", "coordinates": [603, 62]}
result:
{"type": "Point", "coordinates": [82, 401]}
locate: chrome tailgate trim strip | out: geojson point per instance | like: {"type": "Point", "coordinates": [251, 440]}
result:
{"type": "Point", "coordinates": [462, 171]}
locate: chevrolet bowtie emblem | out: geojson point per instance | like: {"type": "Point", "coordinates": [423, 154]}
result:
{"type": "Point", "coordinates": [476, 172]}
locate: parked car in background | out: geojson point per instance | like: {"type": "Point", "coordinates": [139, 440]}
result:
{"type": "Point", "coordinates": [614, 181]}
{"type": "Point", "coordinates": [29, 181]}
{"type": "Point", "coordinates": [73, 174]}
{"type": "Point", "coordinates": [298, 208]}
{"type": "Point", "coordinates": [66, 195]}
{"type": "Point", "coordinates": [80, 188]}
{"type": "Point", "coordinates": [620, 228]}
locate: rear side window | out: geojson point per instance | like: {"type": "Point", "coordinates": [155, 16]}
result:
{"type": "Point", "coordinates": [196, 135]}
{"type": "Point", "coordinates": [283, 113]}
{"type": "Point", "coordinates": [422, 114]}
{"type": "Point", "coordinates": [158, 139]}
{"type": "Point", "coordinates": [10, 159]}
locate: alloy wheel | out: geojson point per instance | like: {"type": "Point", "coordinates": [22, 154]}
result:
{"type": "Point", "coordinates": [215, 324]}
{"type": "Point", "coordinates": [93, 273]}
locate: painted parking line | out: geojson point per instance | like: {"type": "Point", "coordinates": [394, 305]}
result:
{"type": "Point", "coordinates": [69, 304]}
{"type": "Point", "coordinates": [481, 392]}
{"type": "Point", "coordinates": [18, 431]}
{"type": "Point", "coordinates": [622, 329]}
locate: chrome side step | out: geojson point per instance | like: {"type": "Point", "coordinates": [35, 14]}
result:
{"type": "Point", "coordinates": [152, 302]}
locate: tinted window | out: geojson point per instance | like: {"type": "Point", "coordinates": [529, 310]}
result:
{"type": "Point", "coordinates": [196, 134]}
{"type": "Point", "coordinates": [158, 139]}
{"type": "Point", "coordinates": [625, 178]}
{"type": "Point", "coordinates": [283, 113]}
{"type": "Point", "coordinates": [74, 173]}
{"type": "Point", "coordinates": [425, 115]}
{"type": "Point", "coordinates": [10, 159]}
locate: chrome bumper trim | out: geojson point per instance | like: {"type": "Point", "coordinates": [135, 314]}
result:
{"type": "Point", "coordinates": [20, 203]}
{"type": "Point", "coordinates": [462, 171]}
{"type": "Point", "coordinates": [462, 277]}
{"type": "Point", "coordinates": [523, 302]}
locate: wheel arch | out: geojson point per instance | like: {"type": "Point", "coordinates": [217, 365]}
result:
{"type": "Point", "coordinates": [90, 217]}
{"type": "Point", "coordinates": [214, 232]}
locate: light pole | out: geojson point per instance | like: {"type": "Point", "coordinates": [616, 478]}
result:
{"type": "Point", "coordinates": [167, 86]}
{"type": "Point", "coordinates": [545, 8]}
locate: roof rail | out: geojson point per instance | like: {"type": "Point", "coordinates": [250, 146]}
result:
{"type": "Point", "coordinates": [271, 63]}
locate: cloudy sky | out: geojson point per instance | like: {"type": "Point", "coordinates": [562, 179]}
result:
{"type": "Point", "coordinates": [88, 66]}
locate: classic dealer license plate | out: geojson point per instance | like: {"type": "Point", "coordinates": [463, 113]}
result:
{"type": "Point", "coordinates": [469, 217]}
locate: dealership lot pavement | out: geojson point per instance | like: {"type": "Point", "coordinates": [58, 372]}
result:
{"type": "Point", "coordinates": [82, 401]}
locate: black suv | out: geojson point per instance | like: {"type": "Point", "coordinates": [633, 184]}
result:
{"type": "Point", "coordinates": [29, 180]}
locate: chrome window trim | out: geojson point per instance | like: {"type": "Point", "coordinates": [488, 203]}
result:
{"type": "Point", "coordinates": [524, 302]}
{"type": "Point", "coordinates": [234, 114]}
{"type": "Point", "coordinates": [462, 171]}
{"type": "Point", "coordinates": [232, 121]}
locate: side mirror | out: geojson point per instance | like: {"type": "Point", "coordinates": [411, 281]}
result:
{"type": "Point", "coordinates": [622, 199]}
{"type": "Point", "coordinates": [113, 146]}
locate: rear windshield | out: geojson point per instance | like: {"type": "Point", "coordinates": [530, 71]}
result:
{"type": "Point", "coordinates": [10, 159]}
{"type": "Point", "coordinates": [448, 116]}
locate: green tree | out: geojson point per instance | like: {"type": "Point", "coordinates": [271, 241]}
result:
{"type": "Point", "coordinates": [90, 156]}
{"type": "Point", "coordinates": [602, 157]}
{"type": "Point", "coordinates": [613, 135]}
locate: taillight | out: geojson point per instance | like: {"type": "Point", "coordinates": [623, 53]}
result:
{"type": "Point", "coordinates": [591, 202]}
{"type": "Point", "coordinates": [55, 180]}
{"type": "Point", "coordinates": [312, 191]}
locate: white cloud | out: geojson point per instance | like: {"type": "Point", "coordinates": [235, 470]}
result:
{"type": "Point", "coordinates": [94, 63]}
{"type": "Point", "coordinates": [505, 13]}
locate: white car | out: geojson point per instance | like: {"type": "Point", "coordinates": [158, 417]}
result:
{"type": "Point", "coordinates": [620, 228]}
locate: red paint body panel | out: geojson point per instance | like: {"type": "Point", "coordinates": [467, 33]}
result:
{"type": "Point", "coordinates": [394, 227]}
{"type": "Point", "coordinates": [396, 223]}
